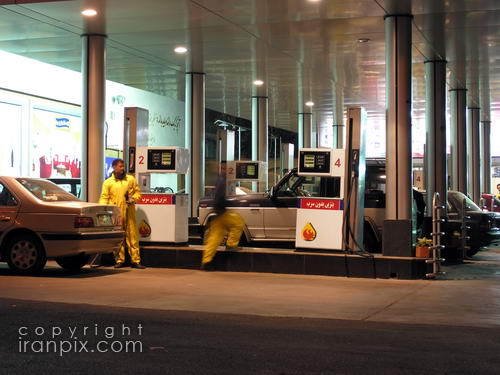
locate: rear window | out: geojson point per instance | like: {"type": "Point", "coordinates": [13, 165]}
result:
{"type": "Point", "coordinates": [458, 199]}
{"type": "Point", "coordinates": [45, 190]}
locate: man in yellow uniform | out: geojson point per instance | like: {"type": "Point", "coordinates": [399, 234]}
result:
{"type": "Point", "coordinates": [122, 190]}
{"type": "Point", "coordinates": [226, 221]}
{"type": "Point", "coordinates": [498, 191]}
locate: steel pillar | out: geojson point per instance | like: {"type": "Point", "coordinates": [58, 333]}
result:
{"type": "Point", "coordinates": [93, 114]}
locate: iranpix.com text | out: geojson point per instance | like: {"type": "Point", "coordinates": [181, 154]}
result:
{"type": "Point", "coordinates": [80, 339]}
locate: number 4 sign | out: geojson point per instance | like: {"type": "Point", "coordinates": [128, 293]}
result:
{"type": "Point", "coordinates": [337, 158]}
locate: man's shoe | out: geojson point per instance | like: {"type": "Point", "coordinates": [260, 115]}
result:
{"type": "Point", "coordinates": [119, 265]}
{"type": "Point", "coordinates": [138, 266]}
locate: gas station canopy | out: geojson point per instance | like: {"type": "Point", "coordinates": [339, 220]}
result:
{"type": "Point", "coordinates": [302, 50]}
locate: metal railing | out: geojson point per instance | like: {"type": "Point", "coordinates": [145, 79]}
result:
{"type": "Point", "coordinates": [437, 220]}
{"type": "Point", "coordinates": [464, 229]}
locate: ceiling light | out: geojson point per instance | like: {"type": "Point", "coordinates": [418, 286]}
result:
{"type": "Point", "coordinates": [363, 40]}
{"type": "Point", "coordinates": [258, 82]}
{"type": "Point", "coordinates": [309, 103]}
{"type": "Point", "coordinates": [180, 49]}
{"type": "Point", "coordinates": [89, 12]}
{"type": "Point", "coordinates": [314, 1]}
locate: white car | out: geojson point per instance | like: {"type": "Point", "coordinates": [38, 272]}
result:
{"type": "Point", "coordinates": [40, 221]}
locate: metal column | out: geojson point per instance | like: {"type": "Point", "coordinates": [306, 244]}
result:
{"type": "Point", "coordinates": [354, 178]}
{"type": "Point", "coordinates": [458, 100]}
{"type": "Point", "coordinates": [398, 218]}
{"type": "Point", "coordinates": [195, 138]}
{"type": "Point", "coordinates": [486, 152]}
{"type": "Point", "coordinates": [305, 124]}
{"type": "Point", "coordinates": [338, 120]}
{"type": "Point", "coordinates": [436, 176]}
{"type": "Point", "coordinates": [475, 155]}
{"type": "Point", "coordinates": [260, 132]}
{"type": "Point", "coordinates": [93, 114]}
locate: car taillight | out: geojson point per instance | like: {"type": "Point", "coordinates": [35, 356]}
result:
{"type": "Point", "coordinates": [84, 222]}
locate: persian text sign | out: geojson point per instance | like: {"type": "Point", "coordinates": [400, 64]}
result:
{"type": "Point", "coordinates": [157, 199]}
{"type": "Point", "coordinates": [321, 204]}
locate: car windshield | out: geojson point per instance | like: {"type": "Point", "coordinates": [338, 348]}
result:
{"type": "Point", "coordinates": [46, 190]}
{"type": "Point", "coordinates": [456, 199]}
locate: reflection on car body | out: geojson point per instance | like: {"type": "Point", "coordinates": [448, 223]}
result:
{"type": "Point", "coordinates": [39, 220]}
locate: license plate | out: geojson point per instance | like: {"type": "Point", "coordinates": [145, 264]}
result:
{"type": "Point", "coordinates": [104, 220]}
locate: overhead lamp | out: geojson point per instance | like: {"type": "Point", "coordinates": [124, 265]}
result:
{"type": "Point", "coordinates": [258, 82]}
{"type": "Point", "coordinates": [363, 40]}
{"type": "Point", "coordinates": [180, 49]}
{"type": "Point", "coordinates": [89, 12]}
{"type": "Point", "coordinates": [309, 103]}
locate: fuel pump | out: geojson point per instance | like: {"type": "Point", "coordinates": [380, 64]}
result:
{"type": "Point", "coordinates": [333, 219]}
{"type": "Point", "coordinates": [162, 214]}
{"type": "Point", "coordinates": [320, 218]}
{"type": "Point", "coordinates": [244, 171]}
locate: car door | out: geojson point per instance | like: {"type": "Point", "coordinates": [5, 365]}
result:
{"type": "Point", "coordinates": [8, 209]}
{"type": "Point", "coordinates": [280, 218]}
{"type": "Point", "coordinates": [280, 215]}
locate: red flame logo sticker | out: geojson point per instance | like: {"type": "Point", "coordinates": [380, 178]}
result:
{"type": "Point", "coordinates": [144, 229]}
{"type": "Point", "coordinates": [308, 232]}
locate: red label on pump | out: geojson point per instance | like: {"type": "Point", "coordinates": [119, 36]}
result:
{"type": "Point", "coordinates": [166, 199]}
{"type": "Point", "coordinates": [321, 204]}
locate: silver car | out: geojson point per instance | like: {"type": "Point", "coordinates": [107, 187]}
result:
{"type": "Point", "coordinates": [271, 216]}
{"type": "Point", "coordinates": [40, 221]}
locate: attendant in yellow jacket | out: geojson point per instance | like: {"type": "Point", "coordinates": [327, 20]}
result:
{"type": "Point", "coordinates": [122, 190]}
{"type": "Point", "coordinates": [226, 222]}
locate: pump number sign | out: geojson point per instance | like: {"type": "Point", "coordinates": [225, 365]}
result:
{"type": "Point", "coordinates": [321, 162]}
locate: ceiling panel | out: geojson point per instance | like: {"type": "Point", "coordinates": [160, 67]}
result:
{"type": "Point", "coordinates": [302, 50]}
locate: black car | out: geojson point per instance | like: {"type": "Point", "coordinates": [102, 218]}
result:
{"type": "Point", "coordinates": [483, 226]}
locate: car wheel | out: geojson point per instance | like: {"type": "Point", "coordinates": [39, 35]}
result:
{"type": "Point", "coordinates": [73, 263]}
{"type": "Point", "coordinates": [25, 254]}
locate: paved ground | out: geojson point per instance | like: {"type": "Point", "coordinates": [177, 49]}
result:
{"type": "Point", "coordinates": [199, 322]}
{"type": "Point", "coordinates": [204, 343]}
{"type": "Point", "coordinates": [472, 300]}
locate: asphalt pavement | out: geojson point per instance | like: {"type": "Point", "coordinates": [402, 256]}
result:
{"type": "Point", "coordinates": [177, 321]}
{"type": "Point", "coordinates": [204, 343]}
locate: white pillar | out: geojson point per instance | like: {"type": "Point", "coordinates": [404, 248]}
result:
{"type": "Point", "coordinates": [260, 131]}
{"type": "Point", "coordinates": [475, 155]}
{"type": "Point", "coordinates": [195, 138]}
{"type": "Point", "coordinates": [486, 151]}
{"type": "Point", "coordinates": [93, 114]}
{"type": "Point", "coordinates": [305, 125]}
{"type": "Point", "coordinates": [435, 119]}
{"type": "Point", "coordinates": [458, 100]}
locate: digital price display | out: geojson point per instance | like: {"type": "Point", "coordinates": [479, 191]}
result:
{"type": "Point", "coordinates": [161, 160]}
{"type": "Point", "coordinates": [249, 171]}
{"type": "Point", "coordinates": [315, 161]}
